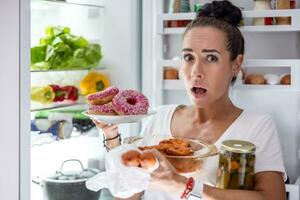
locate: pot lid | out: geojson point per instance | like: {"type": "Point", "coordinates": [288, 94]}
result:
{"type": "Point", "coordinates": [69, 176]}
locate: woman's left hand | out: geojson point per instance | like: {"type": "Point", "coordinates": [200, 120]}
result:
{"type": "Point", "coordinates": [165, 177]}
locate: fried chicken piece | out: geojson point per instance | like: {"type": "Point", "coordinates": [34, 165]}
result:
{"type": "Point", "coordinates": [175, 151]}
{"type": "Point", "coordinates": [172, 147]}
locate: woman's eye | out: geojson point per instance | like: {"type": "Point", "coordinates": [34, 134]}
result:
{"type": "Point", "coordinates": [211, 58]}
{"type": "Point", "coordinates": [187, 57]}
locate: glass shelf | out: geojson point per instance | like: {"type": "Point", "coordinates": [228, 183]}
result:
{"type": "Point", "coordinates": [55, 106]}
{"type": "Point", "coordinates": [88, 3]}
{"type": "Point", "coordinates": [64, 70]}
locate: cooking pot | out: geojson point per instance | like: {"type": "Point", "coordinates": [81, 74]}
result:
{"type": "Point", "coordinates": [68, 185]}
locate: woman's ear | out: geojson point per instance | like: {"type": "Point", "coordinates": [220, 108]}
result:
{"type": "Point", "coordinates": [237, 64]}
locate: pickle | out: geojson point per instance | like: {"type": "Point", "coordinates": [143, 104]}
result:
{"type": "Point", "coordinates": [223, 180]}
{"type": "Point", "coordinates": [249, 181]}
{"type": "Point", "coordinates": [234, 181]}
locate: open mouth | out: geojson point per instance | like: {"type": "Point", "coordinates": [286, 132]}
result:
{"type": "Point", "coordinates": [198, 91]}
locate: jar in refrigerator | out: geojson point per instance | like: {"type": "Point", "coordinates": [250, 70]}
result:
{"type": "Point", "coordinates": [283, 4]}
{"type": "Point", "coordinates": [262, 5]}
{"type": "Point", "coordinates": [178, 6]}
{"type": "Point", "coordinates": [292, 4]}
{"type": "Point", "coordinates": [236, 165]}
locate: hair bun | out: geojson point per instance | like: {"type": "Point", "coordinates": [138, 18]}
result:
{"type": "Point", "coordinates": [222, 10]}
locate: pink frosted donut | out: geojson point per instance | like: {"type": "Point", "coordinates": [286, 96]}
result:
{"type": "Point", "coordinates": [102, 97]}
{"type": "Point", "coordinates": [130, 102]}
{"type": "Point", "coordinates": [105, 109]}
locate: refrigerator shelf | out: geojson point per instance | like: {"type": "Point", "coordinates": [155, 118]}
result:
{"type": "Point", "coordinates": [87, 3]}
{"type": "Point", "coordinates": [247, 63]}
{"type": "Point", "coordinates": [56, 106]}
{"type": "Point", "coordinates": [293, 13]}
{"type": "Point", "coordinates": [291, 66]}
{"type": "Point", "coordinates": [64, 70]}
{"type": "Point", "coordinates": [179, 85]}
{"type": "Point", "coordinates": [293, 190]}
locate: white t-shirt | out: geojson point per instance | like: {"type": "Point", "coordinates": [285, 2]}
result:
{"type": "Point", "coordinates": [256, 128]}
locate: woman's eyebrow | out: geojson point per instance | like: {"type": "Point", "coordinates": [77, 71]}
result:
{"type": "Point", "coordinates": [210, 51]}
{"type": "Point", "coordinates": [187, 49]}
{"type": "Point", "coordinates": [203, 51]}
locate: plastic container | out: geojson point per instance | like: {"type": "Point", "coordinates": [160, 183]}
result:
{"type": "Point", "coordinates": [236, 165]}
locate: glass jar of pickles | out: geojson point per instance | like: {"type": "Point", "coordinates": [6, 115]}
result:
{"type": "Point", "coordinates": [236, 165]}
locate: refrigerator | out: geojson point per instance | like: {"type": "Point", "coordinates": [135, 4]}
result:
{"type": "Point", "coordinates": [269, 49]}
{"type": "Point", "coordinates": [136, 47]}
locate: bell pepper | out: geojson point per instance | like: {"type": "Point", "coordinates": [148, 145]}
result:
{"type": "Point", "coordinates": [71, 92]}
{"type": "Point", "coordinates": [93, 82]}
{"type": "Point", "coordinates": [44, 95]}
{"type": "Point", "coordinates": [59, 93]}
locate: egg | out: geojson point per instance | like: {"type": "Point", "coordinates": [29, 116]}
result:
{"type": "Point", "coordinates": [286, 79]}
{"type": "Point", "coordinates": [272, 79]}
{"type": "Point", "coordinates": [148, 161]}
{"type": "Point", "coordinates": [131, 158]}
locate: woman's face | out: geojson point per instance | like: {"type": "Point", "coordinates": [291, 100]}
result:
{"type": "Point", "coordinates": [206, 67]}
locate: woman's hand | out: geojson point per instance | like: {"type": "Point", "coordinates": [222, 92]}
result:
{"type": "Point", "coordinates": [109, 131]}
{"type": "Point", "coordinates": [165, 177]}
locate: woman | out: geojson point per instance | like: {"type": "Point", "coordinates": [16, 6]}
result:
{"type": "Point", "coordinates": [212, 54]}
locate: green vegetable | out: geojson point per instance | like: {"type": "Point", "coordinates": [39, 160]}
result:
{"type": "Point", "coordinates": [59, 49]}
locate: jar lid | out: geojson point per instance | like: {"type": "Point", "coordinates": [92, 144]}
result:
{"type": "Point", "coordinates": [238, 146]}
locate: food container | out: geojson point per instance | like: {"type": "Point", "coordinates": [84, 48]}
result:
{"type": "Point", "coordinates": [236, 165]}
{"type": "Point", "coordinates": [283, 4]}
{"type": "Point", "coordinates": [68, 185]}
{"type": "Point", "coordinates": [262, 5]}
{"type": "Point", "coordinates": [184, 164]}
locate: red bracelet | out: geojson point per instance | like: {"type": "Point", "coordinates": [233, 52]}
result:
{"type": "Point", "coordinates": [188, 189]}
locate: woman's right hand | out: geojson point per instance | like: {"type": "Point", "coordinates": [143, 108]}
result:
{"type": "Point", "coordinates": [109, 130]}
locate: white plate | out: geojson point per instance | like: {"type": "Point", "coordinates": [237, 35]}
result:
{"type": "Point", "coordinates": [118, 119]}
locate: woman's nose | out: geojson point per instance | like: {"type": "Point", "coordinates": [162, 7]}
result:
{"type": "Point", "coordinates": [197, 71]}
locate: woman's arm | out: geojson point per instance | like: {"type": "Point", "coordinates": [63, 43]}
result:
{"type": "Point", "coordinates": [268, 186]}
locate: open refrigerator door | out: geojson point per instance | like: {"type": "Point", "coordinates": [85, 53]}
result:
{"type": "Point", "coordinates": [75, 50]}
